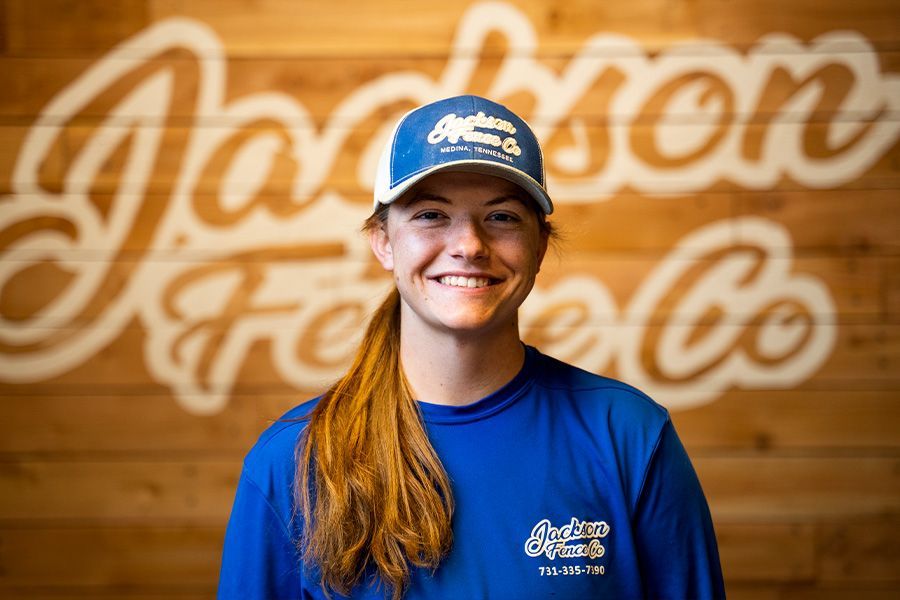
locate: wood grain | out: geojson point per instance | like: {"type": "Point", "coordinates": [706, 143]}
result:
{"type": "Point", "coordinates": [794, 420]}
{"type": "Point", "coordinates": [767, 552]}
{"type": "Point", "coordinates": [761, 557]}
{"type": "Point", "coordinates": [860, 551]}
{"type": "Point", "coordinates": [864, 357]}
{"type": "Point", "coordinates": [321, 29]}
{"type": "Point", "coordinates": [134, 425]}
{"type": "Point", "coordinates": [92, 560]}
{"type": "Point", "coordinates": [315, 82]}
{"type": "Point", "coordinates": [811, 591]}
{"type": "Point", "coordinates": [795, 488]}
{"type": "Point", "coordinates": [124, 491]}
{"type": "Point", "coordinates": [746, 487]}
{"type": "Point", "coordinates": [850, 421]}
{"type": "Point", "coordinates": [107, 477]}
{"type": "Point", "coordinates": [857, 285]}
{"type": "Point", "coordinates": [289, 170]}
{"type": "Point", "coordinates": [560, 28]}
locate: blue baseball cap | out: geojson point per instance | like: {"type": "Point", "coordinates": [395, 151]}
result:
{"type": "Point", "coordinates": [464, 133]}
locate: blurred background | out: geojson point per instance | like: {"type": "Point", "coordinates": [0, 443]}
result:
{"type": "Point", "coordinates": [182, 184]}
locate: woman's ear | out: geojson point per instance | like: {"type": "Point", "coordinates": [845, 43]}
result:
{"type": "Point", "coordinates": [381, 246]}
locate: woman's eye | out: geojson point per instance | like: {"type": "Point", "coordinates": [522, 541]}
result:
{"type": "Point", "coordinates": [428, 215]}
{"type": "Point", "coordinates": [504, 217]}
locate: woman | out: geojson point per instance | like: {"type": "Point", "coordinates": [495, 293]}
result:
{"type": "Point", "coordinates": [452, 461]}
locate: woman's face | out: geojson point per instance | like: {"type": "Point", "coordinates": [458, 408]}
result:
{"type": "Point", "coordinates": [464, 250]}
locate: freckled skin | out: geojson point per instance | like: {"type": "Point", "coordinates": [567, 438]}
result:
{"type": "Point", "coordinates": [462, 224]}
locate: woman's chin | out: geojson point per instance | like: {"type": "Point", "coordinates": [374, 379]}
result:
{"type": "Point", "coordinates": [466, 324]}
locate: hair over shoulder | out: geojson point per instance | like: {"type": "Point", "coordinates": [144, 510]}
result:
{"type": "Point", "coordinates": [370, 488]}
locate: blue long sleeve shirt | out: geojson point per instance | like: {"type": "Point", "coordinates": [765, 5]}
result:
{"type": "Point", "coordinates": [566, 485]}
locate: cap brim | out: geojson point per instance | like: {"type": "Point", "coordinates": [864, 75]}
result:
{"type": "Point", "coordinates": [511, 174]}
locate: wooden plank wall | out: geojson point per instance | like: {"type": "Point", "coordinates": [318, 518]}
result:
{"type": "Point", "coordinates": [121, 441]}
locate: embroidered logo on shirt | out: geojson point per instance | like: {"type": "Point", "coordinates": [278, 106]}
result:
{"type": "Point", "coordinates": [574, 539]}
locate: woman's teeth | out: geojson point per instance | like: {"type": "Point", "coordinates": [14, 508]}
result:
{"type": "Point", "coordinates": [466, 282]}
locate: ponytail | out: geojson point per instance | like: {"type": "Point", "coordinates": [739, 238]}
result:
{"type": "Point", "coordinates": [370, 488]}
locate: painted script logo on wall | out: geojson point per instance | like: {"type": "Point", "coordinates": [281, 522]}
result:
{"type": "Point", "coordinates": [216, 264]}
{"type": "Point", "coordinates": [576, 539]}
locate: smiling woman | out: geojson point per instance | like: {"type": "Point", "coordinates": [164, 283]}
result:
{"type": "Point", "coordinates": [451, 460]}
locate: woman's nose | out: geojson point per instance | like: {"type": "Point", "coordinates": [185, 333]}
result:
{"type": "Point", "coordinates": [468, 241]}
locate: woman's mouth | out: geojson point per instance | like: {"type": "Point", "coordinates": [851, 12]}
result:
{"type": "Point", "coordinates": [464, 282]}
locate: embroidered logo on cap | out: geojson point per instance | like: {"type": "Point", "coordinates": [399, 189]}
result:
{"type": "Point", "coordinates": [453, 129]}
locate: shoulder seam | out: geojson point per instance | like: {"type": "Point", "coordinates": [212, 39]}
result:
{"type": "Point", "coordinates": [622, 387]}
{"type": "Point", "coordinates": [271, 434]}
{"type": "Point", "coordinates": [650, 462]}
{"type": "Point", "coordinates": [285, 529]}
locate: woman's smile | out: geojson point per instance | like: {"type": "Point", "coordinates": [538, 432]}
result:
{"type": "Point", "coordinates": [465, 281]}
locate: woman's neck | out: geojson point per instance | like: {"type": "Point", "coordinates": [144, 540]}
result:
{"type": "Point", "coordinates": [458, 369]}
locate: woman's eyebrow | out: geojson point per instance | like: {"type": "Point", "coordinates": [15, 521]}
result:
{"type": "Point", "coordinates": [421, 196]}
{"type": "Point", "coordinates": [507, 198]}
